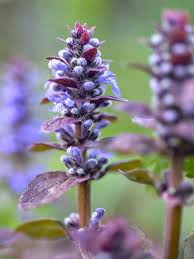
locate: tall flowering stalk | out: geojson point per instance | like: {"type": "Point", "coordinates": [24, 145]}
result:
{"type": "Point", "coordinates": [18, 128]}
{"type": "Point", "coordinates": [172, 70]}
{"type": "Point", "coordinates": [80, 77]}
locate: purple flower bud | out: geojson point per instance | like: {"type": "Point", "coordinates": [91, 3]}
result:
{"type": "Point", "coordinates": [69, 103]}
{"type": "Point", "coordinates": [75, 111]}
{"type": "Point", "coordinates": [88, 124]}
{"type": "Point", "coordinates": [94, 42]}
{"type": "Point", "coordinates": [88, 107]}
{"type": "Point", "coordinates": [67, 161]}
{"type": "Point", "coordinates": [95, 134]}
{"type": "Point", "coordinates": [91, 163]}
{"type": "Point", "coordinates": [71, 171]}
{"type": "Point", "coordinates": [97, 216]}
{"type": "Point", "coordinates": [82, 62]}
{"type": "Point", "coordinates": [70, 41]}
{"type": "Point", "coordinates": [80, 171]}
{"type": "Point", "coordinates": [156, 39]}
{"type": "Point", "coordinates": [102, 124]}
{"type": "Point", "coordinates": [88, 85]}
{"type": "Point", "coordinates": [66, 54]}
{"type": "Point", "coordinates": [78, 70]}
{"type": "Point", "coordinates": [103, 160]}
{"type": "Point", "coordinates": [97, 61]}
{"type": "Point", "coordinates": [72, 222]}
{"type": "Point", "coordinates": [75, 152]}
{"type": "Point", "coordinates": [87, 47]}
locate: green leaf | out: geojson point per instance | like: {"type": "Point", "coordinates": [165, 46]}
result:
{"type": "Point", "coordinates": [42, 228]}
{"type": "Point", "coordinates": [125, 165]}
{"type": "Point", "coordinates": [140, 176]}
{"type": "Point", "coordinates": [188, 248]}
{"type": "Point", "coordinates": [189, 167]}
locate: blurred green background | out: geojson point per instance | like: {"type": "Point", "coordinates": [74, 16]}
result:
{"type": "Point", "coordinates": [30, 28]}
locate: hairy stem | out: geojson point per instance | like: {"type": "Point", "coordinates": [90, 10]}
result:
{"type": "Point", "coordinates": [83, 195]}
{"type": "Point", "coordinates": [174, 213]}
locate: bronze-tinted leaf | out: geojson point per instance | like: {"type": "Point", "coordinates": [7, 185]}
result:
{"type": "Point", "coordinates": [42, 228]}
{"type": "Point", "coordinates": [142, 67]}
{"type": "Point", "coordinates": [48, 187]}
{"type": "Point", "coordinates": [89, 54]}
{"type": "Point", "coordinates": [140, 176]}
{"type": "Point", "coordinates": [104, 116]}
{"type": "Point", "coordinates": [44, 100]}
{"type": "Point", "coordinates": [125, 165]}
{"type": "Point", "coordinates": [130, 143]}
{"type": "Point", "coordinates": [40, 147]}
{"type": "Point", "coordinates": [57, 123]}
{"type": "Point", "coordinates": [66, 81]}
{"type": "Point", "coordinates": [136, 109]}
{"type": "Point", "coordinates": [100, 99]}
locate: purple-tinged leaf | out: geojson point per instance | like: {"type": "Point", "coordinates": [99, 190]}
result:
{"type": "Point", "coordinates": [145, 122]}
{"type": "Point", "coordinates": [89, 54]}
{"type": "Point", "coordinates": [142, 67]}
{"type": "Point", "coordinates": [124, 165]}
{"type": "Point", "coordinates": [41, 147]}
{"type": "Point", "coordinates": [57, 123]}
{"type": "Point", "coordinates": [136, 109]}
{"type": "Point", "coordinates": [48, 187]}
{"type": "Point", "coordinates": [95, 71]}
{"type": "Point", "coordinates": [42, 228]}
{"type": "Point", "coordinates": [100, 99]}
{"type": "Point", "coordinates": [104, 116]}
{"type": "Point", "coordinates": [184, 96]}
{"type": "Point", "coordinates": [8, 237]}
{"type": "Point", "coordinates": [57, 58]}
{"type": "Point", "coordinates": [182, 58]}
{"type": "Point", "coordinates": [66, 81]}
{"type": "Point", "coordinates": [139, 176]}
{"type": "Point", "coordinates": [184, 130]}
{"type": "Point", "coordinates": [130, 143]}
{"type": "Point", "coordinates": [84, 38]}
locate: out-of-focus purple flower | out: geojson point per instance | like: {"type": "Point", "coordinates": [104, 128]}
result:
{"type": "Point", "coordinates": [18, 127]}
{"type": "Point", "coordinates": [113, 240]}
{"type": "Point", "coordinates": [172, 68]}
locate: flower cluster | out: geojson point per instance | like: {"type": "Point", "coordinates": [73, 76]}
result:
{"type": "Point", "coordinates": [80, 77]}
{"type": "Point", "coordinates": [172, 68]}
{"type": "Point", "coordinates": [113, 239]}
{"type": "Point", "coordinates": [18, 128]}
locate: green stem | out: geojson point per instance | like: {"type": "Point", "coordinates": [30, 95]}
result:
{"type": "Point", "coordinates": [174, 213]}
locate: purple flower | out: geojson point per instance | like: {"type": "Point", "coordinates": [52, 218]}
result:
{"type": "Point", "coordinates": [172, 68]}
{"type": "Point", "coordinates": [80, 76]}
{"type": "Point", "coordinates": [18, 127]}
